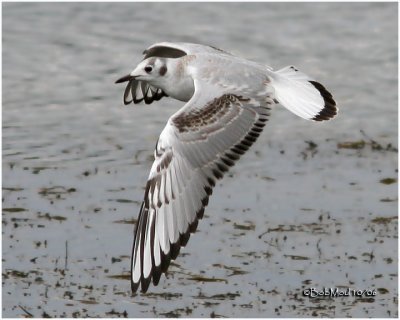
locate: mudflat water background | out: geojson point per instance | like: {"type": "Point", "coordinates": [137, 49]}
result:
{"type": "Point", "coordinates": [310, 206]}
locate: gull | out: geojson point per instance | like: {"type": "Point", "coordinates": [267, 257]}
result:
{"type": "Point", "coordinates": [228, 101]}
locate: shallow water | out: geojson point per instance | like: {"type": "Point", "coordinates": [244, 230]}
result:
{"type": "Point", "coordinates": [310, 205]}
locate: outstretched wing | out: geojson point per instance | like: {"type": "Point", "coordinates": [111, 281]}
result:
{"type": "Point", "coordinates": [137, 91]}
{"type": "Point", "coordinates": [198, 145]}
{"type": "Point", "coordinates": [179, 49]}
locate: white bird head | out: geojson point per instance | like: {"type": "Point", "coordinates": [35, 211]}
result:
{"type": "Point", "coordinates": [167, 74]}
{"type": "Point", "coordinates": [152, 70]}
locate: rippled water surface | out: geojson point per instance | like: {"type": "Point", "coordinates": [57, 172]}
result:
{"type": "Point", "coordinates": [310, 206]}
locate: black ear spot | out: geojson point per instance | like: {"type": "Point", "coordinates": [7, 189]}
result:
{"type": "Point", "coordinates": [163, 70]}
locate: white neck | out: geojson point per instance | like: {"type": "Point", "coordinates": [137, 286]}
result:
{"type": "Point", "coordinates": [177, 83]}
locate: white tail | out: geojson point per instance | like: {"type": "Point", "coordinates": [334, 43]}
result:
{"type": "Point", "coordinates": [302, 95]}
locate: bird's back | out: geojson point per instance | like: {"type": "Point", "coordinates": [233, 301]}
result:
{"type": "Point", "coordinates": [233, 74]}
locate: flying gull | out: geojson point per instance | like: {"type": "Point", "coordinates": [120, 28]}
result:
{"type": "Point", "coordinates": [228, 100]}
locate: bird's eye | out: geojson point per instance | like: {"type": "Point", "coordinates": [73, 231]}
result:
{"type": "Point", "coordinates": [148, 69]}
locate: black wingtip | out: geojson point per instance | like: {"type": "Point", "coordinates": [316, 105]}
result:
{"type": "Point", "coordinates": [126, 102]}
{"type": "Point", "coordinates": [134, 286]}
{"type": "Point", "coordinates": [157, 275]}
{"type": "Point", "coordinates": [125, 78]}
{"type": "Point", "coordinates": [330, 109]}
{"type": "Point", "coordinates": [145, 284]}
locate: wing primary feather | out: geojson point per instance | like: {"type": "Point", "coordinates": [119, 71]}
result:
{"type": "Point", "coordinates": [185, 238]}
{"type": "Point", "coordinates": [165, 260]}
{"type": "Point", "coordinates": [180, 185]}
{"type": "Point", "coordinates": [135, 260]}
{"type": "Point", "coordinates": [127, 92]}
{"type": "Point", "coordinates": [142, 232]}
